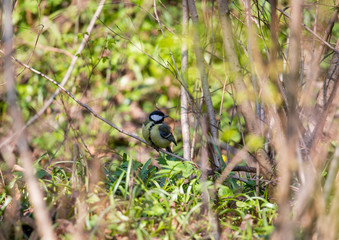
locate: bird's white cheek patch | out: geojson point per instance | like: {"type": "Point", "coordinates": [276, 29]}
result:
{"type": "Point", "coordinates": [156, 118]}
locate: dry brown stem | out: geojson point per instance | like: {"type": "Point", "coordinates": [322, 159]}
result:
{"type": "Point", "coordinates": [41, 214]}
{"type": "Point", "coordinates": [287, 162]}
{"type": "Point", "coordinates": [234, 67]}
{"type": "Point", "coordinates": [204, 77]}
{"type": "Point", "coordinates": [65, 78]}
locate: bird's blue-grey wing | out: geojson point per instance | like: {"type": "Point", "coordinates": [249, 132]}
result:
{"type": "Point", "coordinates": [166, 132]}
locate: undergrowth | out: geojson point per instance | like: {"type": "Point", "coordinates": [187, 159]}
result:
{"type": "Point", "coordinates": [161, 198]}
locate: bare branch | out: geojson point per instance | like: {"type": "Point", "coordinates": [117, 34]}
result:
{"type": "Point", "coordinates": [226, 27]}
{"type": "Point", "coordinates": [183, 95]}
{"type": "Point", "coordinates": [65, 78]}
{"type": "Point", "coordinates": [289, 157]}
{"type": "Point", "coordinates": [90, 109]}
{"type": "Point", "coordinates": [312, 32]}
{"type": "Point", "coordinates": [204, 77]}
{"type": "Point", "coordinates": [332, 76]}
{"type": "Point", "coordinates": [41, 215]}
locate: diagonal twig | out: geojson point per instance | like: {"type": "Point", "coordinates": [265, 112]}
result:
{"type": "Point", "coordinates": [41, 215]}
{"type": "Point", "coordinates": [90, 109]}
{"type": "Point", "coordinates": [312, 32]}
{"type": "Point", "coordinates": [65, 78]}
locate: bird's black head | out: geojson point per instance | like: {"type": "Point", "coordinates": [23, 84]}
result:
{"type": "Point", "coordinates": [157, 117]}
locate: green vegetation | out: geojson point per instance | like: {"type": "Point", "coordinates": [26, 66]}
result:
{"type": "Point", "coordinates": [140, 201]}
{"type": "Point", "coordinates": [276, 142]}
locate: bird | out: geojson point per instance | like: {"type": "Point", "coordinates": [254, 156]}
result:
{"type": "Point", "coordinates": [156, 133]}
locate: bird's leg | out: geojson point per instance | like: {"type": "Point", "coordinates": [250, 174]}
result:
{"type": "Point", "coordinates": [168, 149]}
{"type": "Point", "coordinates": [156, 148]}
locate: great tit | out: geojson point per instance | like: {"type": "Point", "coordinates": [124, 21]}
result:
{"type": "Point", "coordinates": [157, 133]}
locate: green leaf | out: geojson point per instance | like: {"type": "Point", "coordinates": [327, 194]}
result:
{"type": "Point", "coordinates": [155, 210]}
{"type": "Point", "coordinates": [254, 142]}
{"type": "Point", "coordinates": [241, 204]}
{"type": "Point", "coordinates": [231, 135]}
{"type": "Point", "coordinates": [93, 198]}
{"type": "Point", "coordinates": [225, 192]}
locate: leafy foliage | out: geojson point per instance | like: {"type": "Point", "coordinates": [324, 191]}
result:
{"type": "Point", "coordinates": [111, 186]}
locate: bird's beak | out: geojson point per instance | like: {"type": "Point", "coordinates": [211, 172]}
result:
{"type": "Point", "coordinates": [166, 116]}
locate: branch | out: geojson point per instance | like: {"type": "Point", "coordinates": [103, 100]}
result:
{"type": "Point", "coordinates": [232, 57]}
{"type": "Point", "coordinates": [36, 198]}
{"type": "Point", "coordinates": [233, 150]}
{"type": "Point", "coordinates": [312, 32]}
{"type": "Point", "coordinates": [66, 77]}
{"type": "Point", "coordinates": [90, 109]}
{"type": "Point", "coordinates": [183, 95]}
{"type": "Point", "coordinates": [179, 76]}
{"type": "Point", "coordinates": [330, 106]}
{"type": "Point", "coordinates": [204, 77]}
{"type": "Point", "coordinates": [135, 45]}
{"type": "Point", "coordinates": [288, 158]}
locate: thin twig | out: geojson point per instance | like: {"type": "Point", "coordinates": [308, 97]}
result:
{"type": "Point", "coordinates": [233, 163]}
{"type": "Point", "coordinates": [65, 78]}
{"type": "Point", "coordinates": [204, 78]}
{"type": "Point", "coordinates": [135, 45]}
{"type": "Point", "coordinates": [283, 230]}
{"type": "Point", "coordinates": [178, 76]}
{"type": "Point", "coordinates": [90, 109]}
{"type": "Point", "coordinates": [234, 65]}
{"type": "Point", "coordinates": [250, 45]}
{"type": "Point", "coordinates": [41, 214]}
{"type": "Point", "coordinates": [312, 32]}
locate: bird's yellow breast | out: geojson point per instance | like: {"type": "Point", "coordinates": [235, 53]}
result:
{"type": "Point", "coordinates": [153, 136]}
{"type": "Point", "coordinates": [145, 131]}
